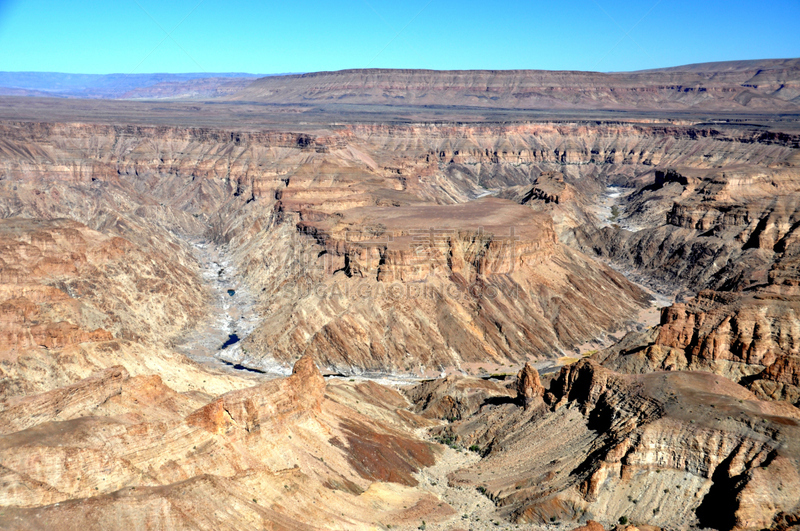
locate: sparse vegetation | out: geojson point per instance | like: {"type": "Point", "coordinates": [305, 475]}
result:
{"type": "Point", "coordinates": [448, 440]}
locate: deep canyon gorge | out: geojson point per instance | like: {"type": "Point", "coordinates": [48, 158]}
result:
{"type": "Point", "coordinates": [369, 300]}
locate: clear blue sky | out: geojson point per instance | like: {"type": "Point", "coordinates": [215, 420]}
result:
{"type": "Point", "coordinates": [130, 36]}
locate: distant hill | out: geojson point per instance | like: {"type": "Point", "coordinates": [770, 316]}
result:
{"type": "Point", "coordinates": [114, 86]}
{"type": "Point", "coordinates": [764, 86]}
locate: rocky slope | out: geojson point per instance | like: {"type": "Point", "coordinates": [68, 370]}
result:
{"type": "Point", "coordinates": [374, 247]}
{"type": "Point", "coordinates": [750, 337]}
{"type": "Point", "coordinates": [381, 288]}
{"type": "Point", "coordinates": [348, 212]}
{"type": "Point", "coordinates": [729, 235]}
{"type": "Point", "coordinates": [75, 301]}
{"type": "Point", "coordinates": [674, 450]}
{"type": "Point", "coordinates": [285, 454]}
{"type": "Point", "coordinates": [322, 203]}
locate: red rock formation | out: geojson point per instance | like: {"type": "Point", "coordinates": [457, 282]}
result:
{"type": "Point", "coordinates": [270, 453]}
{"type": "Point", "coordinates": [591, 525]}
{"type": "Point", "coordinates": [749, 337]}
{"type": "Point", "coordinates": [529, 387]}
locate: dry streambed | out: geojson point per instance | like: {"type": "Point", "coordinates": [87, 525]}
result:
{"type": "Point", "coordinates": [232, 317]}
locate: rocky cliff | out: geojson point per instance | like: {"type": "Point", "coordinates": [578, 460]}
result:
{"type": "Point", "coordinates": [673, 450]}
{"type": "Point", "coordinates": [348, 211]}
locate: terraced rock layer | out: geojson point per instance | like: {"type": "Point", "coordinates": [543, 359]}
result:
{"type": "Point", "coordinates": [285, 454]}
{"type": "Point", "coordinates": [741, 85]}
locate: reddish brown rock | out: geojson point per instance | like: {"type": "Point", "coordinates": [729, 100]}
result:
{"type": "Point", "coordinates": [750, 337]}
{"type": "Point", "coordinates": [591, 525]}
{"type": "Point", "coordinates": [271, 451]}
{"type": "Point", "coordinates": [529, 387]}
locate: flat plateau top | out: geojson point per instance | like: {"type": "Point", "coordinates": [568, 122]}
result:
{"type": "Point", "coordinates": [248, 116]}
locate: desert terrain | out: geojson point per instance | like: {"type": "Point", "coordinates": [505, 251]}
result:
{"type": "Point", "coordinates": [396, 299]}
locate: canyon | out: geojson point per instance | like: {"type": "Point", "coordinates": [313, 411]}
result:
{"type": "Point", "coordinates": [310, 303]}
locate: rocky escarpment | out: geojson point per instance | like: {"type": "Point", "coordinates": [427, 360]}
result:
{"type": "Point", "coordinates": [730, 234]}
{"type": "Point", "coordinates": [308, 197]}
{"type": "Point", "coordinates": [75, 300]}
{"type": "Point", "coordinates": [433, 286]}
{"type": "Point", "coordinates": [670, 450]}
{"type": "Point", "coordinates": [770, 84]}
{"type": "Point", "coordinates": [750, 337]}
{"type": "Point", "coordinates": [725, 229]}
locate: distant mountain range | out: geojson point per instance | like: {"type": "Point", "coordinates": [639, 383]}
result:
{"type": "Point", "coordinates": [115, 86]}
{"type": "Point", "coordinates": [770, 85]}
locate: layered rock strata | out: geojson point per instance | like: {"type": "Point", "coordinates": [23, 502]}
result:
{"type": "Point", "coordinates": [286, 454]}
{"type": "Point", "coordinates": [672, 449]}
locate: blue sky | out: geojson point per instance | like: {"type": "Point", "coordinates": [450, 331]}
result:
{"type": "Point", "coordinates": [144, 36]}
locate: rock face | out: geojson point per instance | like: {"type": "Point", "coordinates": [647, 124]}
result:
{"type": "Point", "coordinates": [726, 229]}
{"type": "Point", "coordinates": [450, 284]}
{"type": "Point", "coordinates": [373, 225]}
{"type": "Point", "coordinates": [729, 234]}
{"type": "Point", "coordinates": [455, 397]}
{"type": "Point", "coordinates": [591, 525]}
{"type": "Point", "coordinates": [750, 337]}
{"type": "Point", "coordinates": [75, 301]}
{"type": "Point", "coordinates": [529, 387]}
{"type": "Point", "coordinates": [612, 446]}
